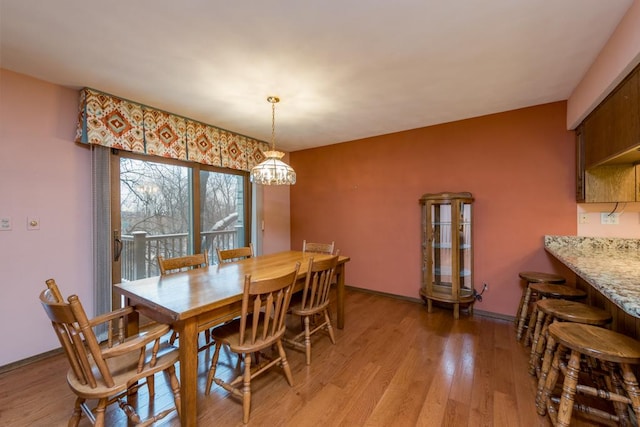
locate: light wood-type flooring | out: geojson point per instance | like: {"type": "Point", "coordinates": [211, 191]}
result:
{"type": "Point", "coordinates": [394, 364]}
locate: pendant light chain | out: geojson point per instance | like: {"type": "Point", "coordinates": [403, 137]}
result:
{"type": "Point", "coordinates": [273, 171]}
{"type": "Point", "coordinates": [273, 125]}
{"type": "Point", "coordinates": [273, 100]}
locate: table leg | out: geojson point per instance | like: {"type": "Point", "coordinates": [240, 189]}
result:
{"type": "Point", "coordinates": [188, 345]}
{"type": "Point", "coordinates": [340, 288]}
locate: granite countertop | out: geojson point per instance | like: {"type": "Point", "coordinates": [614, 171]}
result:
{"type": "Point", "coordinates": [610, 265]}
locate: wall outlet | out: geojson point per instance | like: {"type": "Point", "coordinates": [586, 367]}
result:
{"type": "Point", "coordinates": [583, 218]}
{"type": "Point", "coordinates": [609, 218]}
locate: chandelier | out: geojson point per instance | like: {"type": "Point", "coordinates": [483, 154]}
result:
{"type": "Point", "coordinates": [273, 171]}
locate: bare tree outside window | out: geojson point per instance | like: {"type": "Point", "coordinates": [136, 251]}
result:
{"type": "Point", "coordinates": [154, 197]}
{"type": "Point", "coordinates": [156, 211]}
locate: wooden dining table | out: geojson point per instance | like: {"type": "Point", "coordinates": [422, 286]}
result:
{"type": "Point", "coordinates": [194, 300]}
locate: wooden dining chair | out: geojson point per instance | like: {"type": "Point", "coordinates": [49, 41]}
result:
{"type": "Point", "coordinates": [261, 325]}
{"type": "Point", "coordinates": [230, 255]}
{"type": "Point", "coordinates": [188, 262]}
{"type": "Point", "coordinates": [183, 263]}
{"type": "Point", "coordinates": [315, 302]}
{"type": "Point", "coordinates": [318, 248]}
{"type": "Point", "coordinates": [115, 369]}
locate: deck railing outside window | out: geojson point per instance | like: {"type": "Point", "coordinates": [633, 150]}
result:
{"type": "Point", "coordinates": [140, 250]}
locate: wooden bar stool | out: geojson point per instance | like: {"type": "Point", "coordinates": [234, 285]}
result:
{"type": "Point", "coordinates": [550, 310]}
{"type": "Point", "coordinates": [546, 290]}
{"type": "Point", "coordinates": [523, 309]}
{"type": "Point", "coordinates": [615, 355]}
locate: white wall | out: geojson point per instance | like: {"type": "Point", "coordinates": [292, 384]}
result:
{"type": "Point", "coordinates": [618, 57]}
{"type": "Point", "coordinates": [589, 223]}
{"type": "Point", "coordinates": [276, 235]}
{"type": "Point", "coordinates": [44, 174]}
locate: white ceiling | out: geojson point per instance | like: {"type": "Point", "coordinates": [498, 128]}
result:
{"type": "Point", "coordinates": [344, 69]}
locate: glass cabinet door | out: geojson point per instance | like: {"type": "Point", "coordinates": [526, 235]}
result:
{"type": "Point", "coordinates": [466, 259]}
{"type": "Point", "coordinates": [447, 259]}
{"type": "Point", "coordinates": [441, 246]}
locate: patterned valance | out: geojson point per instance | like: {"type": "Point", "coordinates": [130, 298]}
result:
{"type": "Point", "coordinates": [117, 123]}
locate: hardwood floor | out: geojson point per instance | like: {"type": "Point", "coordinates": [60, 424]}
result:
{"type": "Point", "coordinates": [394, 364]}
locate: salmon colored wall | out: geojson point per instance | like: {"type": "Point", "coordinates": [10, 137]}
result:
{"type": "Point", "coordinates": [43, 173]}
{"type": "Point", "coordinates": [364, 194]}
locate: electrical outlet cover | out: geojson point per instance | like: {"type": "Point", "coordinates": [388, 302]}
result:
{"type": "Point", "coordinates": [609, 218]}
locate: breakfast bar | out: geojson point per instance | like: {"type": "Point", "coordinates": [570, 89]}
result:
{"type": "Point", "coordinates": [609, 270]}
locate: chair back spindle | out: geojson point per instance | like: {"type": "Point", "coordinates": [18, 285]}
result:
{"type": "Point", "coordinates": [315, 294]}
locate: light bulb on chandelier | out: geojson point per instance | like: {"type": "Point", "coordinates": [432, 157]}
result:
{"type": "Point", "coordinates": [273, 171]}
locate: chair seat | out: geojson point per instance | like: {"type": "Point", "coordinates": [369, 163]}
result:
{"type": "Point", "coordinates": [548, 290]}
{"type": "Point", "coordinates": [572, 311]}
{"type": "Point", "coordinates": [539, 277]}
{"type": "Point", "coordinates": [300, 311]}
{"type": "Point", "coordinates": [124, 371]}
{"type": "Point", "coordinates": [597, 342]}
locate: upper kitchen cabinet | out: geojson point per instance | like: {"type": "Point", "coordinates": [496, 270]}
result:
{"type": "Point", "coordinates": [611, 132]}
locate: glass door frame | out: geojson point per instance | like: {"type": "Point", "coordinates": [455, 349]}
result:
{"type": "Point", "coordinates": [194, 177]}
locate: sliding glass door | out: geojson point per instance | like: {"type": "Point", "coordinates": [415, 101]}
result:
{"type": "Point", "coordinates": [173, 208]}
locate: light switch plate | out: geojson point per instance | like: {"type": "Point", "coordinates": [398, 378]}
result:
{"type": "Point", "coordinates": [5, 223]}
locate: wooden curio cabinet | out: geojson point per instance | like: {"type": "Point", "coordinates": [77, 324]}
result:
{"type": "Point", "coordinates": [447, 250]}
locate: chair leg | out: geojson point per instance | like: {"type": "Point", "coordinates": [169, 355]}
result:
{"type": "Point", "coordinates": [613, 383]}
{"type": "Point", "coordinates": [533, 319]}
{"type": "Point", "coordinates": [99, 412]}
{"type": "Point", "coordinates": [307, 340]}
{"type": "Point", "coordinates": [519, 310]}
{"type": "Point", "coordinates": [174, 336]}
{"type": "Point", "coordinates": [175, 387]}
{"type": "Point", "coordinates": [151, 385]}
{"type": "Point", "coordinates": [523, 313]}
{"type": "Point", "coordinates": [246, 389]}
{"type": "Point", "coordinates": [77, 413]}
{"type": "Point", "coordinates": [550, 384]}
{"type": "Point", "coordinates": [538, 344]}
{"type": "Point", "coordinates": [327, 319]}
{"type": "Point", "coordinates": [567, 399]}
{"type": "Point", "coordinates": [212, 369]}
{"type": "Point", "coordinates": [285, 364]}
{"type": "Point", "coordinates": [630, 385]}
